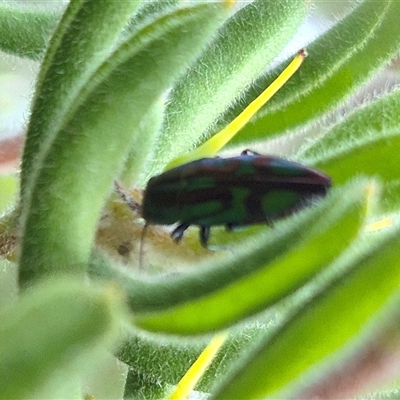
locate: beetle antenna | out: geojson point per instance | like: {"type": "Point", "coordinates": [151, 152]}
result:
{"type": "Point", "coordinates": [135, 206]}
{"type": "Point", "coordinates": [141, 247]}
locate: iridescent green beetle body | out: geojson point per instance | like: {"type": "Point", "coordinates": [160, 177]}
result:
{"type": "Point", "coordinates": [235, 191]}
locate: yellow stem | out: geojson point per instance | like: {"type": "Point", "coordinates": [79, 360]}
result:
{"type": "Point", "coordinates": [378, 225]}
{"type": "Point", "coordinates": [196, 371]}
{"type": "Point", "coordinates": [220, 139]}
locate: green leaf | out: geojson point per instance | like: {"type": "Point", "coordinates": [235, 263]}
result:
{"type": "Point", "coordinates": [389, 394]}
{"type": "Point", "coordinates": [259, 274]}
{"type": "Point", "coordinates": [25, 32]}
{"type": "Point", "coordinates": [245, 45]}
{"type": "Point", "coordinates": [59, 325]}
{"type": "Point", "coordinates": [108, 380]}
{"type": "Point", "coordinates": [8, 282]}
{"type": "Point", "coordinates": [174, 357]}
{"type": "Point", "coordinates": [364, 280]}
{"type": "Point", "coordinates": [81, 42]}
{"type": "Point", "coordinates": [339, 62]}
{"type": "Point", "coordinates": [75, 173]}
{"type": "Point", "coordinates": [253, 280]}
{"type": "Point", "coordinates": [8, 190]}
{"type": "Point", "coordinates": [391, 197]}
{"type": "Point", "coordinates": [135, 171]}
{"type": "Point", "coordinates": [367, 362]}
{"type": "Point", "coordinates": [146, 11]}
{"type": "Point", "coordinates": [364, 143]}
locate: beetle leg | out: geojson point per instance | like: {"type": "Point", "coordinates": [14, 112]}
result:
{"type": "Point", "coordinates": [249, 152]}
{"type": "Point", "coordinates": [269, 222]}
{"type": "Point", "coordinates": [178, 232]}
{"type": "Point", "coordinates": [204, 236]}
{"type": "Point", "coordinates": [230, 227]}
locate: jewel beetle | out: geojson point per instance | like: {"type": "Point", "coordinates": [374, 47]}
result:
{"type": "Point", "coordinates": [234, 191]}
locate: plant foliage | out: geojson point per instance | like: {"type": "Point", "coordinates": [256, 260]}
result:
{"type": "Point", "coordinates": [123, 88]}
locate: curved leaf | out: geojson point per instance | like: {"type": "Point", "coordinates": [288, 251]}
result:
{"type": "Point", "coordinates": [61, 324]}
{"type": "Point", "coordinates": [24, 32]}
{"type": "Point", "coordinates": [366, 142]}
{"type": "Point", "coordinates": [81, 42]}
{"type": "Point", "coordinates": [247, 283]}
{"type": "Point", "coordinates": [391, 197]}
{"type": "Point", "coordinates": [368, 362]}
{"type": "Point", "coordinates": [246, 43]}
{"type": "Point", "coordinates": [74, 175]}
{"type": "Point", "coordinates": [338, 311]}
{"type": "Point", "coordinates": [259, 274]}
{"type": "Point", "coordinates": [174, 357]}
{"type": "Point", "coordinates": [339, 62]}
{"type": "Point", "coordinates": [134, 172]}
{"type": "Point", "coordinates": [8, 189]}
